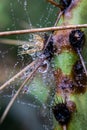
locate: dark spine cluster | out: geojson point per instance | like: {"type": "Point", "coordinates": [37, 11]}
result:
{"type": "Point", "coordinates": [62, 113]}
{"type": "Point", "coordinates": [49, 50]}
{"type": "Point", "coordinates": [77, 39]}
{"type": "Point", "coordinates": [79, 77]}
{"type": "Point", "coordinates": [65, 3]}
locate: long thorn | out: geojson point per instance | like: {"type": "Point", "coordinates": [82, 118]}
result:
{"type": "Point", "coordinates": [20, 42]}
{"type": "Point", "coordinates": [14, 42]}
{"type": "Point", "coordinates": [17, 93]}
{"type": "Point", "coordinates": [82, 61]}
{"type": "Point", "coordinates": [42, 29]}
{"type": "Point", "coordinates": [58, 18]}
{"type": "Point", "coordinates": [17, 75]}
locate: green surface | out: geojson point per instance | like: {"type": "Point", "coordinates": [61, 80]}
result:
{"type": "Point", "coordinates": [79, 118]}
{"type": "Point", "coordinates": [65, 61]}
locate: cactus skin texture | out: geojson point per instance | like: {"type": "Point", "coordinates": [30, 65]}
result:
{"type": "Point", "coordinates": [65, 61]}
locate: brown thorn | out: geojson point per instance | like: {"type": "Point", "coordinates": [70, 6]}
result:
{"type": "Point", "coordinates": [26, 31]}
{"type": "Point", "coordinates": [17, 93]}
{"type": "Point", "coordinates": [14, 42]}
{"type": "Point", "coordinates": [18, 74]}
{"type": "Point", "coordinates": [58, 18]}
{"type": "Point", "coordinates": [55, 4]}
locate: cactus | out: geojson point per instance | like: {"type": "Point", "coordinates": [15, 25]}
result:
{"type": "Point", "coordinates": [65, 61]}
